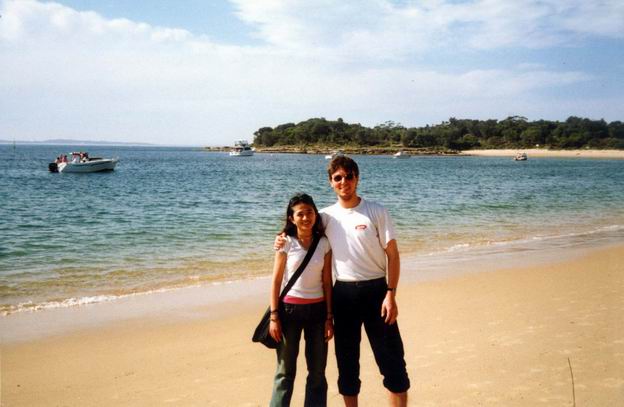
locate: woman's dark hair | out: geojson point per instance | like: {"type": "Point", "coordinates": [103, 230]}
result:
{"type": "Point", "coordinates": [289, 228]}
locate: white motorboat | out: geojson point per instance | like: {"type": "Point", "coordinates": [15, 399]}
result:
{"type": "Point", "coordinates": [521, 157]}
{"type": "Point", "coordinates": [334, 154]}
{"type": "Point", "coordinates": [401, 154]}
{"type": "Point", "coordinates": [80, 162]}
{"type": "Point", "coordinates": [241, 149]}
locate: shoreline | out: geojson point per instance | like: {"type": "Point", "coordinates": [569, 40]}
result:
{"type": "Point", "coordinates": [59, 316]}
{"type": "Point", "coordinates": [500, 338]}
{"type": "Point", "coordinates": [541, 152]}
{"type": "Point", "coordinates": [531, 152]}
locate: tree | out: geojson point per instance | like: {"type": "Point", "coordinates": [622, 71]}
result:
{"type": "Point", "coordinates": [457, 134]}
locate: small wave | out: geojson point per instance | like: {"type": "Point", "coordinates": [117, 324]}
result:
{"type": "Point", "coordinates": [459, 246]}
{"type": "Point", "coordinates": [603, 229]}
{"type": "Point", "coordinates": [465, 246]}
{"type": "Point", "coordinates": [30, 306]}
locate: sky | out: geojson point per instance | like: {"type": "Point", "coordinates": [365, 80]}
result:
{"type": "Point", "coordinates": [207, 73]}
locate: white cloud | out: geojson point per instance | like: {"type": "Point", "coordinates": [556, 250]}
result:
{"type": "Point", "coordinates": [384, 29]}
{"type": "Point", "coordinates": [65, 73]}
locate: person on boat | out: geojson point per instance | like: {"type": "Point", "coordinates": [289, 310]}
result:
{"type": "Point", "coordinates": [366, 267]}
{"type": "Point", "coordinates": [306, 307]}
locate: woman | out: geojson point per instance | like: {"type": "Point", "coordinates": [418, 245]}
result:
{"type": "Point", "coordinates": [306, 307]}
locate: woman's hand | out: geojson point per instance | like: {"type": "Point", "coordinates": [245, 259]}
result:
{"type": "Point", "coordinates": [275, 329]}
{"type": "Point", "coordinates": [280, 241]}
{"type": "Point", "coordinates": [329, 330]}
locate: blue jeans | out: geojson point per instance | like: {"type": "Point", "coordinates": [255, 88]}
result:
{"type": "Point", "coordinates": [356, 304]}
{"type": "Point", "coordinates": [295, 318]}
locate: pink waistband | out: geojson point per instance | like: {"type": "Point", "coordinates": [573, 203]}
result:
{"type": "Point", "coordinates": [297, 300]}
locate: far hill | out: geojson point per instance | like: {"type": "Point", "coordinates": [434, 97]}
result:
{"type": "Point", "coordinates": [77, 142]}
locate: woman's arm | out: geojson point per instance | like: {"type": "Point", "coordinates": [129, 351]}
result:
{"type": "Point", "coordinates": [327, 291]}
{"type": "Point", "coordinates": [275, 328]}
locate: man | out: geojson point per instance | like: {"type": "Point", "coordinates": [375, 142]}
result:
{"type": "Point", "coordinates": [366, 267]}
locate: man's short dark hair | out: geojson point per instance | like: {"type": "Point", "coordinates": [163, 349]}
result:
{"type": "Point", "coordinates": [346, 163]}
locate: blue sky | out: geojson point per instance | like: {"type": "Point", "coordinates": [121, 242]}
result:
{"type": "Point", "coordinates": [214, 18]}
{"type": "Point", "coordinates": [196, 72]}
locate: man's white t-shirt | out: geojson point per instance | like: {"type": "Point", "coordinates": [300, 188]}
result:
{"type": "Point", "coordinates": [310, 283]}
{"type": "Point", "coordinates": [358, 237]}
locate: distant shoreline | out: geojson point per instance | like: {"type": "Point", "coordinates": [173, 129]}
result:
{"type": "Point", "coordinates": [533, 152]}
{"type": "Point", "coordinates": [68, 142]}
{"type": "Point", "coordinates": [352, 150]}
{"type": "Point", "coordinates": [539, 152]}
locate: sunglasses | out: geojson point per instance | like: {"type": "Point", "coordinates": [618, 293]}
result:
{"type": "Point", "coordinates": [348, 177]}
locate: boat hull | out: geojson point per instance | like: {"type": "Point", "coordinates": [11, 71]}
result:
{"type": "Point", "coordinates": [89, 166]}
{"type": "Point", "coordinates": [245, 153]}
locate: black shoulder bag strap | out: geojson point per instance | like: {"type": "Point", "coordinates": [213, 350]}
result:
{"type": "Point", "coordinates": [303, 265]}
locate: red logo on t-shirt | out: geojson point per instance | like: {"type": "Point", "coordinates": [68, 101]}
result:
{"type": "Point", "coordinates": [360, 227]}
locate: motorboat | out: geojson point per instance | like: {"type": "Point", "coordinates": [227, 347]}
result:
{"type": "Point", "coordinates": [401, 154]}
{"type": "Point", "coordinates": [334, 154]}
{"type": "Point", "coordinates": [521, 157]}
{"type": "Point", "coordinates": [80, 162]}
{"type": "Point", "coordinates": [241, 149]}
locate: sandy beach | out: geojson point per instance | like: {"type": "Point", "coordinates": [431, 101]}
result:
{"type": "Point", "coordinates": [511, 337]}
{"type": "Point", "coordinates": [541, 152]}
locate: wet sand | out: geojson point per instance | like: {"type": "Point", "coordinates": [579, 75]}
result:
{"type": "Point", "coordinates": [511, 337]}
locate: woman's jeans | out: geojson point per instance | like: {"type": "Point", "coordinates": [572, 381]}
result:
{"type": "Point", "coordinates": [295, 318]}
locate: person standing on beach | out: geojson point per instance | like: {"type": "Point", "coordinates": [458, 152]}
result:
{"type": "Point", "coordinates": [366, 266]}
{"type": "Point", "coordinates": [306, 307]}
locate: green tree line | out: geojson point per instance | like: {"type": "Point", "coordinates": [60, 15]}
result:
{"type": "Point", "coordinates": [454, 134]}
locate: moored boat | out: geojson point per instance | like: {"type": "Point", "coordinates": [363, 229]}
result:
{"type": "Point", "coordinates": [80, 162]}
{"type": "Point", "coordinates": [241, 149]}
{"type": "Point", "coordinates": [521, 157]}
{"type": "Point", "coordinates": [401, 154]}
{"type": "Point", "coordinates": [334, 154]}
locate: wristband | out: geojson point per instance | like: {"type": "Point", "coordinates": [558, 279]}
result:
{"type": "Point", "coordinates": [391, 289]}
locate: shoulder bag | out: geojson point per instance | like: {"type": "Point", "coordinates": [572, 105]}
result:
{"type": "Point", "coordinates": [261, 334]}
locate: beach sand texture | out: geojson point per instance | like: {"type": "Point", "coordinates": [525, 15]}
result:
{"type": "Point", "coordinates": [499, 338]}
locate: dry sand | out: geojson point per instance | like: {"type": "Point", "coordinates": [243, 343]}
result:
{"type": "Point", "coordinates": [502, 338]}
{"type": "Point", "coordinates": [536, 152]}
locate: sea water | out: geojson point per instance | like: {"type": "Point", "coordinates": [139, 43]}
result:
{"type": "Point", "coordinates": [175, 217]}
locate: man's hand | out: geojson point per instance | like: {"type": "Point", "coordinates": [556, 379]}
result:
{"type": "Point", "coordinates": [389, 309]}
{"type": "Point", "coordinates": [280, 241]}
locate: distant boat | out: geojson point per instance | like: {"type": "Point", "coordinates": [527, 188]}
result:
{"type": "Point", "coordinates": [401, 154]}
{"type": "Point", "coordinates": [80, 162]}
{"type": "Point", "coordinates": [334, 154]}
{"type": "Point", "coordinates": [521, 157]}
{"type": "Point", "coordinates": [241, 149]}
